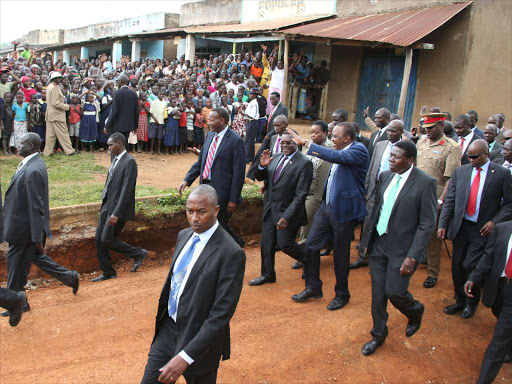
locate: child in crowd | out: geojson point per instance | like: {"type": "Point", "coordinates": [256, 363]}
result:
{"type": "Point", "coordinates": [198, 128]}
{"type": "Point", "coordinates": [6, 122]}
{"type": "Point", "coordinates": [36, 118]}
{"type": "Point", "coordinates": [172, 134]}
{"type": "Point", "coordinates": [206, 115]}
{"type": "Point", "coordinates": [142, 127]}
{"type": "Point", "coordinates": [191, 113]}
{"type": "Point", "coordinates": [75, 115]}
{"type": "Point", "coordinates": [200, 99]}
{"type": "Point", "coordinates": [156, 128]}
{"type": "Point", "coordinates": [20, 125]}
{"type": "Point", "coordinates": [238, 124]}
{"type": "Point", "coordinates": [182, 126]}
{"type": "Point", "coordinates": [89, 122]}
{"type": "Point", "coordinates": [229, 108]}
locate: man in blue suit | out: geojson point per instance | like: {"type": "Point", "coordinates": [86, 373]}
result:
{"type": "Point", "coordinates": [343, 206]}
{"type": "Point", "coordinates": [221, 163]}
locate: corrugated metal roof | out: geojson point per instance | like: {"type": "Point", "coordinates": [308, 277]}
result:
{"type": "Point", "coordinates": [398, 28]}
{"type": "Point", "coordinates": [251, 27]}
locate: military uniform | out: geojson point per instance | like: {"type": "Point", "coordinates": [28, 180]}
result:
{"type": "Point", "coordinates": [439, 160]}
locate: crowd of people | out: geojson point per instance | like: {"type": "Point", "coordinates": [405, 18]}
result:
{"type": "Point", "coordinates": [174, 97]}
{"type": "Point", "coordinates": [409, 191]}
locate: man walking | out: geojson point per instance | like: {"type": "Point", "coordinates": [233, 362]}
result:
{"type": "Point", "coordinates": [198, 299]}
{"type": "Point", "coordinates": [118, 207]}
{"type": "Point", "coordinates": [124, 115]}
{"type": "Point", "coordinates": [402, 222]}
{"type": "Point", "coordinates": [56, 128]}
{"type": "Point", "coordinates": [27, 221]}
{"type": "Point", "coordinates": [252, 116]}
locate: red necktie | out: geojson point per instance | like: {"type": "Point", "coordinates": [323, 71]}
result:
{"type": "Point", "coordinates": [462, 144]}
{"type": "Point", "coordinates": [473, 194]}
{"type": "Point", "coordinates": [508, 267]}
{"type": "Point", "coordinates": [209, 159]}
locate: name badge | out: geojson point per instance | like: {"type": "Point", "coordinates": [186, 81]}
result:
{"type": "Point", "coordinates": [436, 152]}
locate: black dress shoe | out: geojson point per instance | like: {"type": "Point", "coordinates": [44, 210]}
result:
{"type": "Point", "coordinates": [453, 309]}
{"type": "Point", "coordinates": [307, 294]}
{"type": "Point", "coordinates": [137, 263]}
{"type": "Point", "coordinates": [17, 310]}
{"type": "Point", "coordinates": [430, 282]}
{"type": "Point", "coordinates": [26, 308]}
{"type": "Point", "coordinates": [508, 359]}
{"type": "Point", "coordinates": [358, 264]}
{"type": "Point", "coordinates": [337, 303]}
{"type": "Point", "coordinates": [326, 252]}
{"type": "Point", "coordinates": [262, 280]}
{"type": "Point", "coordinates": [371, 346]}
{"type": "Point", "coordinates": [414, 325]}
{"type": "Point", "coordinates": [76, 283]}
{"type": "Point", "coordinates": [297, 265]}
{"type": "Point", "coordinates": [103, 277]}
{"type": "Point", "coordinates": [469, 311]}
{"type": "Point", "coordinates": [74, 153]}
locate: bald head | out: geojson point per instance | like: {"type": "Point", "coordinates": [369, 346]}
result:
{"type": "Point", "coordinates": [280, 124]}
{"type": "Point", "coordinates": [397, 124]}
{"type": "Point", "coordinates": [507, 151]}
{"type": "Point", "coordinates": [495, 119]}
{"type": "Point", "coordinates": [507, 135]}
{"type": "Point", "coordinates": [282, 119]}
{"type": "Point", "coordinates": [382, 117]}
{"type": "Point", "coordinates": [479, 146]}
{"type": "Point", "coordinates": [395, 130]}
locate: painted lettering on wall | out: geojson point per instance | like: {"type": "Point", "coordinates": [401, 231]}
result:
{"type": "Point", "coordinates": [260, 10]}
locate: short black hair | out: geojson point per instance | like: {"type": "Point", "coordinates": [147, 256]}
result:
{"type": "Point", "coordinates": [118, 137]}
{"type": "Point", "coordinates": [448, 116]}
{"type": "Point", "coordinates": [472, 112]}
{"type": "Point", "coordinates": [463, 118]}
{"type": "Point", "coordinates": [348, 129]}
{"type": "Point", "coordinates": [408, 147]}
{"type": "Point", "coordinates": [276, 94]}
{"type": "Point", "coordinates": [357, 127]}
{"type": "Point", "coordinates": [343, 113]}
{"type": "Point", "coordinates": [222, 113]}
{"type": "Point", "coordinates": [322, 124]}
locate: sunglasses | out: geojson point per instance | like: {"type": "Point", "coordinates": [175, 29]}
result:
{"type": "Point", "coordinates": [474, 157]}
{"type": "Point", "coordinates": [507, 138]}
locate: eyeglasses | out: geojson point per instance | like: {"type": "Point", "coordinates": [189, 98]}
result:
{"type": "Point", "coordinates": [507, 138]}
{"type": "Point", "coordinates": [283, 143]}
{"type": "Point", "coordinates": [474, 157]}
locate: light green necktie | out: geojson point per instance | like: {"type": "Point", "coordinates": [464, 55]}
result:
{"type": "Point", "coordinates": [382, 225]}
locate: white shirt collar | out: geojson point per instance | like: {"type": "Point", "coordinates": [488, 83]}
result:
{"type": "Point", "coordinates": [468, 137]}
{"type": "Point", "coordinates": [404, 176]}
{"type": "Point", "coordinates": [484, 167]}
{"type": "Point", "coordinates": [26, 159]}
{"type": "Point", "coordinates": [222, 133]}
{"type": "Point", "coordinates": [206, 235]}
{"type": "Point", "coordinates": [121, 155]}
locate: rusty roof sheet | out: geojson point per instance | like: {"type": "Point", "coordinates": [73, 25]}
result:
{"type": "Point", "coordinates": [398, 28]}
{"type": "Point", "coordinates": [262, 26]}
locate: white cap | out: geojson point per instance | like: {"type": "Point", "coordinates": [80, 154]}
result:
{"type": "Point", "coordinates": [54, 75]}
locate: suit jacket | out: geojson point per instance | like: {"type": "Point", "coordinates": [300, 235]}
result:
{"type": "Point", "coordinates": [364, 140]}
{"type": "Point", "coordinates": [280, 110]}
{"type": "Point", "coordinates": [120, 198]}
{"type": "Point", "coordinates": [382, 137]}
{"type": "Point", "coordinates": [316, 190]}
{"type": "Point", "coordinates": [495, 203]}
{"type": "Point", "coordinates": [478, 132]}
{"type": "Point", "coordinates": [413, 217]}
{"type": "Point", "coordinates": [287, 197]}
{"type": "Point", "coordinates": [55, 107]}
{"type": "Point", "coordinates": [27, 209]}
{"type": "Point", "coordinates": [373, 170]}
{"type": "Point", "coordinates": [124, 115]}
{"type": "Point", "coordinates": [348, 184]}
{"type": "Point", "coordinates": [228, 168]}
{"type": "Point", "coordinates": [491, 265]}
{"type": "Point", "coordinates": [208, 300]}
{"type": "Point", "coordinates": [496, 156]}
{"type": "Point", "coordinates": [464, 159]}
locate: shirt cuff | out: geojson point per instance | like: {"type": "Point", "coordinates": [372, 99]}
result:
{"type": "Point", "coordinates": [185, 357]}
{"type": "Point", "coordinates": [261, 168]}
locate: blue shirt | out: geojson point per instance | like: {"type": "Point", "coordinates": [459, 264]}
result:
{"type": "Point", "coordinates": [20, 112]}
{"type": "Point", "coordinates": [483, 175]}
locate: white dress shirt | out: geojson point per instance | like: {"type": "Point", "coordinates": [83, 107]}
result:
{"type": "Point", "coordinates": [253, 110]}
{"type": "Point", "coordinates": [508, 165]}
{"type": "Point", "coordinates": [378, 136]}
{"type": "Point", "coordinates": [203, 240]}
{"type": "Point", "coordinates": [507, 256]}
{"type": "Point", "coordinates": [330, 177]}
{"type": "Point", "coordinates": [467, 140]}
{"type": "Point", "coordinates": [112, 167]}
{"type": "Point", "coordinates": [404, 176]}
{"type": "Point", "coordinates": [25, 161]}
{"type": "Point", "coordinates": [483, 175]}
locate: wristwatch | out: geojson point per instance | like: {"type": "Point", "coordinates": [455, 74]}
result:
{"type": "Point", "coordinates": [440, 202]}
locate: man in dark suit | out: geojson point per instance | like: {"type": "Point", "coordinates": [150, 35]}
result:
{"type": "Point", "coordinates": [479, 197]}
{"type": "Point", "coordinates": [278, 109]}
{"type": "Point", "coordinates": [466, 136]}
{"type": "Point", "coordinates": [342, 208]}
{"type": "Point", "coordinates": [382, 119]}
{"type": "Point", "coordinates": [27, 221]}
{"type": "Point", "coordinates": [117, 207]}
{"type": "Point", "coordinates": [124, 115]}
{"type": "Point", "coordinates": [11, 300]}
{"type": "Point", "coordinates": [495, 148]}
{"type": "Point", "coordinates": [495, 271]}
{"type": "Point", "coordinates": [288, 176]}
{"type": "Point", "coordinates": [473, 119]}
{"type": "Point", "coordinates": [221, 163]}
{"type": "Point", "coordinates": [402, 222]}
{"type": "Point", "coordinates": [198, 299]}
{"type": "Point", "coordinates": [360, 138]}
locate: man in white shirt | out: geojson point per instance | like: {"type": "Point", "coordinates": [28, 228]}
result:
{"type": "Point", "coordinates": [507, 155]}
{"type": "Point", "coordinates": [252, 115]}
{"type": "Point", "coordinates": [199, 297]}
{"type": "Point", "coordinates": [466, 136]}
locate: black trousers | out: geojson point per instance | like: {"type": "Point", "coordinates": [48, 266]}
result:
{"type": "Point", "coordinates": [468, 247]}
{"type": "Point", "coordinates": [324, 229]}
{"type": "Point", "coordinates": [163, 350]}
{"type": "Point", "coordinates": [501, 342]}
{"type": "Point", "coordinates": [223, 217]}
{"type": "Point", "coordinates": [8, 298]}
{"type": "Point", "coordinates": [251, 130]}
{"type": "Point", "coordinates": [285, 240]}
{"type": "Point", "coordinates": [107, 238]}
{"type": "Point", "coordinates": [19, 259]}
{"type": "Point", "coordinates": [387, 283]}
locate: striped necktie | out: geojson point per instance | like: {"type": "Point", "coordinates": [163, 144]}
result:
{"type": "Point", "coordinates": [209, 159]}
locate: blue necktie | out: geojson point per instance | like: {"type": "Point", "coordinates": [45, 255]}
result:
{"type": "Point", "coordinates": [334, 168]}
{"type": "Point", "coordinates": [179, 275]}
{"type": "Point", "coordinates": [387, 207]}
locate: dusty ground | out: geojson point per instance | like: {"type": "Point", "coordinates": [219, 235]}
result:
{"type": "Point", "coordinates": [103, 334]}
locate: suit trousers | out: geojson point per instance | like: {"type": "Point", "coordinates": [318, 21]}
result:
{"type": "Point", "coordinates": [8, 298]}
{"type": "Point", "coordinates": [324, 229]}
{"type": "Point", "coordinates": [18, 260]}
{"type": "Point", "coordinates": [223, 217]}
{"type": "Point", "coordinates": [434, 248]}
{"type": "Point", "coordinates": [285, 240]}
{"type": "Point", "coordinates": [107, 238]}
{"type": "Point", "coordinates": [468, 247]}
{"type": "Point", "coordinates": [251, 130]}
{"type": "Point", "coordinates": [366, 229]}
{"type": "Point", "coordinates": [312, 206]}
{"type": "Point", "coordinates": [387, 283]}
{"type": "Point", "coordinates": [57, 130]}
{"type": "Point", "coordinates": [501, 342]}
{"type": "Point", "coordinates": [163, 349]}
